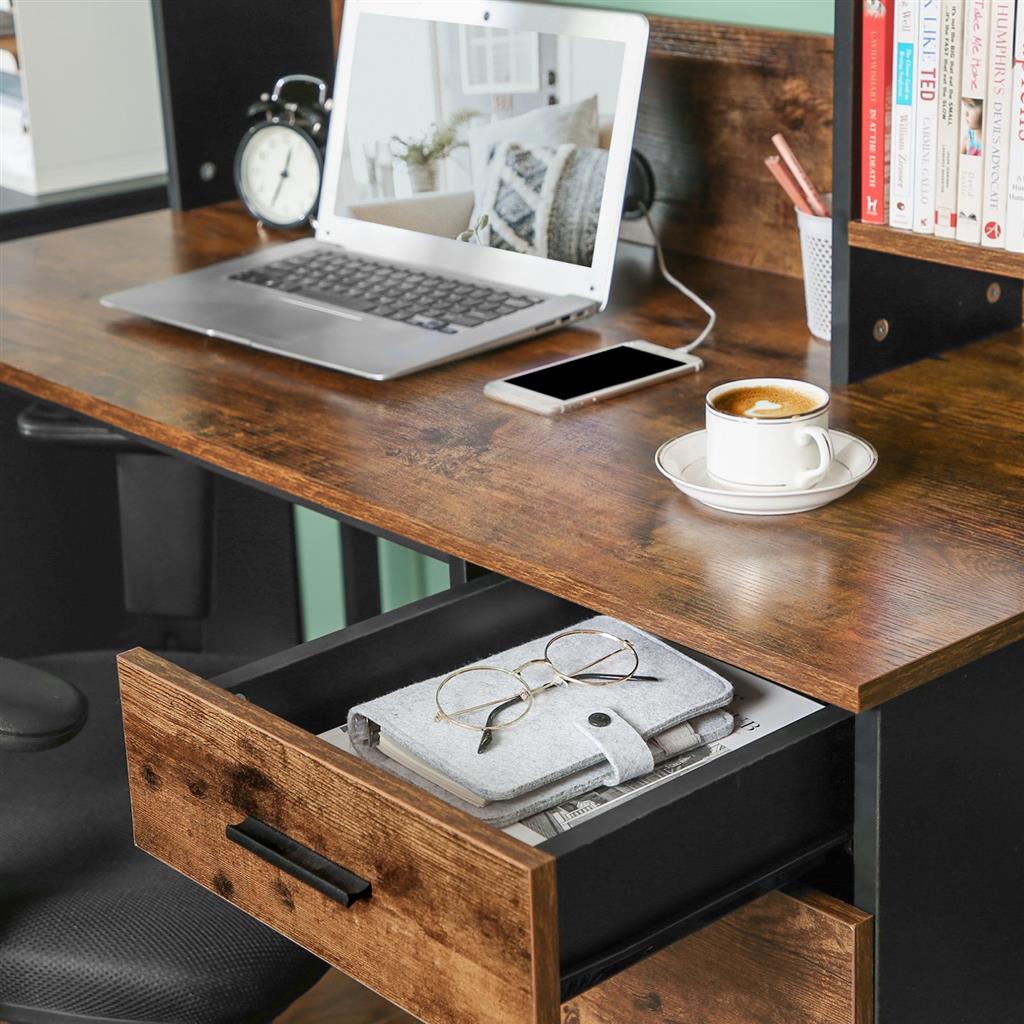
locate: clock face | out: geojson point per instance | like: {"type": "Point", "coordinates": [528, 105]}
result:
{"type": "Point", "coordinates": [278, 174]}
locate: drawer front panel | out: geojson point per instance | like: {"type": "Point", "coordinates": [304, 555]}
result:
{"type": "Point", "coordinates": [787, 958]}
{"type": "Point", "coordinates": [460, 923]}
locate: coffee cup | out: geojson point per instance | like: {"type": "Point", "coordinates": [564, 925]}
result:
{"type": "Point", "coordinates": [768, 432]}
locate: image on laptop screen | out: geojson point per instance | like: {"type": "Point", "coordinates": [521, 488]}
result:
{"type": "Point", "coordinates": [491, 136]}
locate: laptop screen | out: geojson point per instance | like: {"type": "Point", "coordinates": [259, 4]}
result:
{"type": "Point", "coordinates": [490, 136]}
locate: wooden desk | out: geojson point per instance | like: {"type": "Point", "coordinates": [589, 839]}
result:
{"type": "Point", "coordinates": [853, 604]}
{"type": "Point", "coordinates": [915, 575]}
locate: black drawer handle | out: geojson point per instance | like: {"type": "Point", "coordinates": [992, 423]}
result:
{"type": "Point", "coordinates": [300, 861]}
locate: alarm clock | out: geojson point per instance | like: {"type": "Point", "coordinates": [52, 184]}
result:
{"type": "Point", "coordinates": [279, 165]}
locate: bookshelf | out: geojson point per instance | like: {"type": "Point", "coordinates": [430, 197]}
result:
{"type": "Point", "coordinates": [898, 296]}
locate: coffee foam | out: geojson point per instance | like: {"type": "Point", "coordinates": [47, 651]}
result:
{"type": "Point", "coordinates": [766, 402]}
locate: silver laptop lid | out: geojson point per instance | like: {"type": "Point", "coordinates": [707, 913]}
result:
{"type": "Point", "coordinates": [490, 139]}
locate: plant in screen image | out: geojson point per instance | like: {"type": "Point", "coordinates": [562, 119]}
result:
{"type": "Point", "coordinates": [422, 154]}
{"type": "Point", "coordinates": [472, 233]}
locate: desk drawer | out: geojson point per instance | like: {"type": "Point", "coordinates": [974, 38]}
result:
{"type": "Point", "coordinates": [447, 917]}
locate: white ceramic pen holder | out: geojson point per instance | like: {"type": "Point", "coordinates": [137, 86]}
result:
{"type": "Point", "coordinates": [816, 250]}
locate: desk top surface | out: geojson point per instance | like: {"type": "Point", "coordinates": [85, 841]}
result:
{"type": "Point", "coordinates": [917, 571]}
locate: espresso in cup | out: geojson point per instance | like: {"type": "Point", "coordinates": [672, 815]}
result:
{"type": "Point", "coordinates": [766, 401]}
{"type": "Point", "coordinates": [768, 432]}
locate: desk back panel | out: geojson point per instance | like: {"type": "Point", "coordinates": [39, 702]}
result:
{"type": "Point", "coordinates": [713, 96]}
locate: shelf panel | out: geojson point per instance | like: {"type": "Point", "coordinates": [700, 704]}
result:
{"type": "Point", "coordinates": [936, 250]}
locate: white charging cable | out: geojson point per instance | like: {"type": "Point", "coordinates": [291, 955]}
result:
{"type": "Point", "coordinates": [676, 283]}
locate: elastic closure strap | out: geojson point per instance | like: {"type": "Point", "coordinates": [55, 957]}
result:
{"type": "Point", "coordinates": [625, 749]}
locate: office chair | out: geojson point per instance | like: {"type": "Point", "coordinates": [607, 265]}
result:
{"type": "Point", "coordinates": [93, 930]}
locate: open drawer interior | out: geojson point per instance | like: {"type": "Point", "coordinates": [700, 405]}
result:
{"type": "Point", "coordinates": [451, 896]}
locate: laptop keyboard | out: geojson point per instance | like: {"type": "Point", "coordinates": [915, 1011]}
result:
{"type": "Point", "coordinates": [364, 285]}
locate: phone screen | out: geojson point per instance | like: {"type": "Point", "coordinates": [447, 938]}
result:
{"type": "Point", "coordinates": [593, 372]}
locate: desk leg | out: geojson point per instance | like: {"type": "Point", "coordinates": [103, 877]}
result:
{"type": "Point", "coordinates": [939, 846]}
{"type": "Point", "coordinates": [360, 571]}
{"type": "Point", "coordinates": [460, 571]}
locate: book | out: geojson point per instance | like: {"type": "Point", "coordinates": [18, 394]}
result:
{"type": "Point", "coordinates": [997, 123]}
{"type": "Point", "coordinates": [973, 82]}
{"type": "Point", "coordinates": [948, 153]}
{"type": "Point", "coordinates": [901, 157]}
{"type": "Point", "coordinates": [876, 84]}
{"type": "Point", "coordinates": [926, 114]}
{"type": "Point", "coordinates": [1015, 178]}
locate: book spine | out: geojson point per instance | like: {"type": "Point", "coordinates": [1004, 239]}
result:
{"type": "Point", "coordinates": [876, 81]}
{"type": "Point", "coordinates": [947, 156]}
{"type": "Point", "coordinates": [997, 124]}
{"type": "Point", "coordinates": [926, 114]}
{"type": "Point", "coordinates": [901, 164]}
{"type": "Point", "coordinates": [973, 80]}
{"type": "Point", "coordinates": [1015, 190]}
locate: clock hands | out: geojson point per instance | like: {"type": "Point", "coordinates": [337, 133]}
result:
{"type": "Point", "coordinates": [284, 174]}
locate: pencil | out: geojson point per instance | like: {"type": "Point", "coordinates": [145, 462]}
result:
{"type": "Point", "coordinates": [806, 186]}
{"type": "Point", "coordinates": [785, 179]}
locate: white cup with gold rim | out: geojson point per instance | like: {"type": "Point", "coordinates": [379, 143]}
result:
{"type": "Point", "coordinates": [768, 432]}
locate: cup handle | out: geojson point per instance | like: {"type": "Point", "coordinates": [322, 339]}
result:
{"type": "Point", "coordinates": [820, 437]}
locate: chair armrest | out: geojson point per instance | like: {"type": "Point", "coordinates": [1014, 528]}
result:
{"type": "Point", "coordinates": [37, 710]}
{"type": "Point", "coordinates": [434, 213]}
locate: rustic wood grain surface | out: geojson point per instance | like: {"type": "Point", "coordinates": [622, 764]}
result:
{"type": "Point", "coordinates": [786, 958]}
{"type": "Point", "coordinates": [713, 96]}
{"type": "Point", "coordinates": [915, 572]}
{"type": "Point", "coordinates": [936, 250]}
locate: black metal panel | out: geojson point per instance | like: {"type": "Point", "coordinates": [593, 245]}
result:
{"type": "Point", "coordinates": [929, 308]}
{"type": "Point", "coordinates": [360, 572]}
{"type": "Point", "coordinates": [313, 685]}
{"type": "Point", "coordinates": [215, 60]}
{"type": "Point", "coordinates": [660, 866]}
{"type": "Point", "coordinates": [845, 176]}
{"type": "Point", "coordinates": [939, 846]}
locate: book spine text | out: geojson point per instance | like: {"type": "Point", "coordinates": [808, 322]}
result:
{"type": "Point", "coordinates": [973, 81]}
{"type": "Point", "coordinates": [926, 115]}
{"type": "Point", "coordinates": [901, 172]}
{"type": "Point", "coordinates": [1015, 183]}
{"type": "Point", "coordinates": [876, 82]}
{"type": "Point", "coordinates": [948, 154]}
{"type": "Point", "coordinates": [997, 124]}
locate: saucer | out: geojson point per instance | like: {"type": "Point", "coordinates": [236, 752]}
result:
{"type": "Point", "coordinates": [683, 461]}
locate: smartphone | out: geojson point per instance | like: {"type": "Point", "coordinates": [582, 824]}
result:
{"type": "Point", "coordinates": [580, 380]}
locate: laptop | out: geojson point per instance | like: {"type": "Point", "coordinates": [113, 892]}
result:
{"type": "Point", "coordinates": [472, 190]}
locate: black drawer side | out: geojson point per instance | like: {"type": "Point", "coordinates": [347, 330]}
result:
{"type": "Point", "coordinates": [641, 876]}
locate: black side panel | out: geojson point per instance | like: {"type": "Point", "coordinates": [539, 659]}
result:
{"type": "Point", "coordinates": [215, 59]}
{"type": "Point", "coordinates": [939, 846]}
{"type": "Point", "coordinates": [934, 308]}
{"type": "Point", "coordinates": [696, 848]}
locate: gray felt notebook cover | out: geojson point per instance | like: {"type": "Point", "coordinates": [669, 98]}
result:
{"type": "Point", "coordinates": [553, 753]}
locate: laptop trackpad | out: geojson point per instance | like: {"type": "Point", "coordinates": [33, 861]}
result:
{"type": "Point", "coordinates": [280, 320]}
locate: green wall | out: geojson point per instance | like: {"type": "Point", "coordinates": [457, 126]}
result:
{"type": "Point", "coordinates": [795, 15]}
{"type": "Point", "coordinates": [406, 576]}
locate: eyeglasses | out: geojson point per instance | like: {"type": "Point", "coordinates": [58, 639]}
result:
{"type": "Point", "coordinates": [589, 646]}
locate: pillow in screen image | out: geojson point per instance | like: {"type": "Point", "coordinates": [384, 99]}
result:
{"type": "Point", "coordinates": [543, 201]}
{"type": "Point", "coordinates": [545, 126]}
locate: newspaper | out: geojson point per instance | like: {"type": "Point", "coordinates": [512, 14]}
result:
{"type": "Point", "coordinates": [760, 708]}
